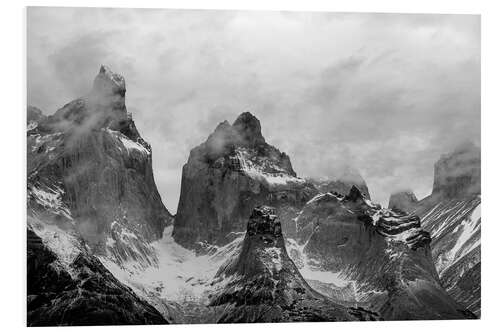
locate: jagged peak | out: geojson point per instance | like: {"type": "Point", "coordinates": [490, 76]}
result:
{"type": "Point", "coordinates": [224, 125]}
{"type": "Point", "coordinates": [108, 82]}
{"type": "Point", "coordinates": [248, 126]}
{"type": "Point", "coordinates": [355, 194]}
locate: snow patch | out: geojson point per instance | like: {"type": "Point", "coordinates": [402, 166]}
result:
{"type": "Point", "coordinates": [257, 171]}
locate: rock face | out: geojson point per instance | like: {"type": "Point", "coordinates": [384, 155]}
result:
{"type": "Point", "coordinates": [405, 201]}
{"type": "Point", "coordinates": [452, 215]}
{"type": "Point", "coordinates": [91, 193]}
{"type": "Point", "coordinates": [79, 291]}
{"type": "Point", "coordinates": [89, 168]}
{"type": "Point", "coordinates": [262, 284]}
{"type": "Point", "coordinates": [383, 255]}
{"type": "Point", "coordinates": [227, 176]}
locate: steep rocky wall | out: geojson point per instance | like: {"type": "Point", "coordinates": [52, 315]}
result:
{"type": "Point", "coordinates": [227, 176]}
{"type": "Point", "coordinates": [88, 167]}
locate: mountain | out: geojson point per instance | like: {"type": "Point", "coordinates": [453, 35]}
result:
{"type": "Point", "coordinates": [69, 286]}
{"type": "Point", "coordinates": [452, 215]}
{"type": "Point", "coordinates": [262, 284]}
{"type": "Point", "coordinates": [89, 169]}
{"type": "Point", "coordinates": [90, 177]}
{"type": "Point", "coordinates": [229, 174]}
{"type": "Point", "coordinates": [342, 182]}
{"type": "Point", "coordinates": [379, 258]}
{"type": "Point", "coordinates": [405, 201]}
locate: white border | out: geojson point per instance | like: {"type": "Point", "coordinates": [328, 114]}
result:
{"type": "Point", "coordinates": [13, 166]}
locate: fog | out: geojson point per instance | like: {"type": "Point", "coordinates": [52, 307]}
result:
{"type": "Point", "coordinates": [387, 94]}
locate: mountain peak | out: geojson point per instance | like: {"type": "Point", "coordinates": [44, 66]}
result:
{"type": "Point", "coordinates": [261, 274]}
{"type": "Point", "coordinates": [354, 194]}
{"type": "Point", "coordinates": [109, 83]}
{"type": "Point", "coordinates": [248, 126]}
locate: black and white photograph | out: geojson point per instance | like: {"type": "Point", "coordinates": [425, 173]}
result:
{"type": "Point", "coordinates": [210, 166]}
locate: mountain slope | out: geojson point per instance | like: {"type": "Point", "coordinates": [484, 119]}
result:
{"type": "Point", "coordinates": [262, 283]}
{"type": "Point", "coordinates": [89, 169]}
{"type": "Point", "coordinates": [91, 196]}
{"type": "Point", "coordinates": [452, 215]}
{"type": "Point", "coordinates": [381, 258]}
{"type": "Point", "coordinates": [69, 286]}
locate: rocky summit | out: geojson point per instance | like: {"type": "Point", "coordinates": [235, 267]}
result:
{"type": "Point", "coordinates": [262, 284]}
{"type": "Point", "coordinates": [452, 215]}
{"type": "Point", "coordinates": [229, 174]}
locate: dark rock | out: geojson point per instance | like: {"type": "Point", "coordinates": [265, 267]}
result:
{"type": "Point", "coordinates": [266, 286]}
{"type": "Point", "coordinates": [89, 168]}
{"type": "Point", "coordinates": [233, 171]}
{"type": "Point", "coordinates": [83, 293]}
{"type": "Point", "coordinates": [385, 253]}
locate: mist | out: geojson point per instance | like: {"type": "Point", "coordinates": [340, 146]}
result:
{"type": "Point", "coordinates": [386, 94]}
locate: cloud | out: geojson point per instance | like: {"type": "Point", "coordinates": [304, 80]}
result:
{"type": "Point", "coordinates": [386, 93]}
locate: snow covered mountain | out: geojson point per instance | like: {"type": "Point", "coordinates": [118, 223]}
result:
{"type": "Point", "coordinates": [381, 258]}
{"type": "Point", "coordinates": [229, 174]}
{"type": "Point", "coordinates": [452, 215]}
{"type": "Point", "coordinates": [89, 168]}
{"type": "Point", "coordinates": [90, 175]}
{"type": "Point", "coordinates": [102, 246]}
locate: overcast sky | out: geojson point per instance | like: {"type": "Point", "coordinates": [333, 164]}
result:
{"type": "Point", "coordinates": [385, 93]}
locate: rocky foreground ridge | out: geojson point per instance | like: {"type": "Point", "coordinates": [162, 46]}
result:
{"type": "Point", "coordinates": [264, 285]}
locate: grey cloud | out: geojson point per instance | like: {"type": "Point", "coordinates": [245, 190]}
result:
{"type": "Point", "coordinates": [387, 94]}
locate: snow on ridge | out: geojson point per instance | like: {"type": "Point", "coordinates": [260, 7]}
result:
{"type": "Point", "coordinates": [279, 176]}
{"type": "Point", "coordinates": [308, 266]}
{"type": "Point", "coordinates": [66, 246]}
{"type": "Point", "coordinates": [50, 198]}
{"type": "Point", "coordinates": [129, 144]}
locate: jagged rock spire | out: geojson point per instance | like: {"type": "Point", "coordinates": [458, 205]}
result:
{"type": "Point", "coordinates": [248, 127]}
{"type": "Point", "coordinates": [107, 82]}
{"type": "Point", "coordinates": [354, 194]}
